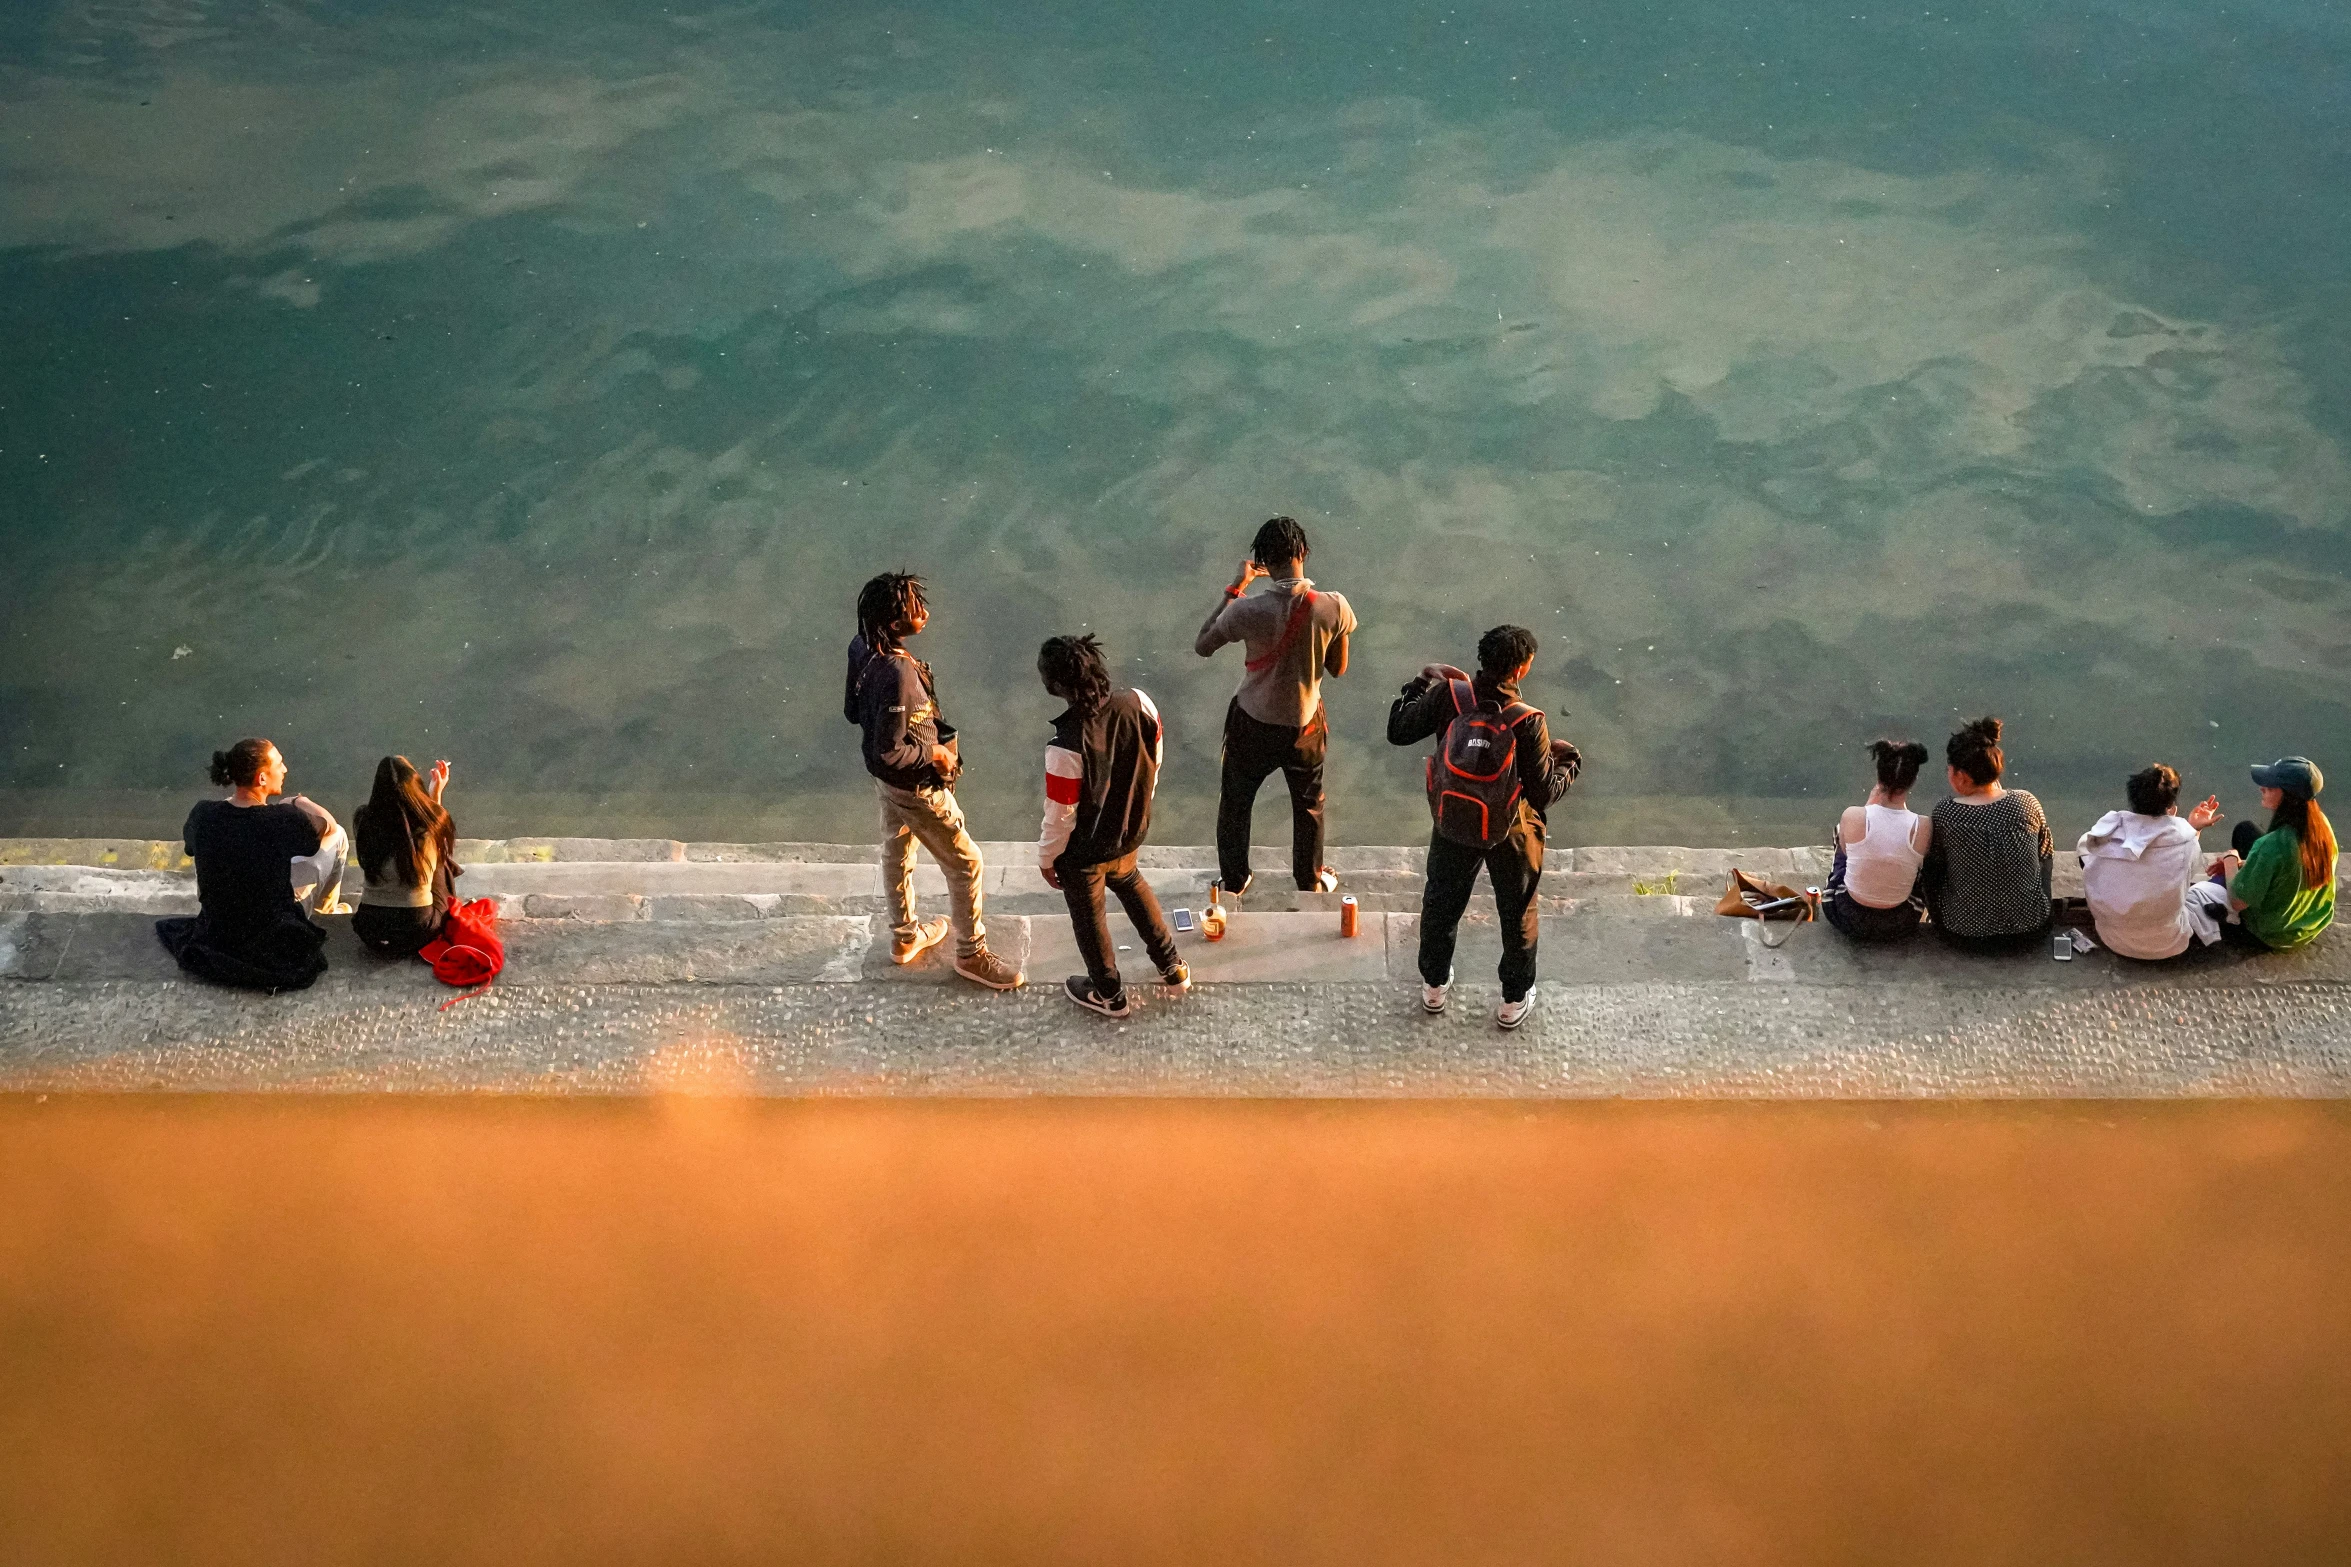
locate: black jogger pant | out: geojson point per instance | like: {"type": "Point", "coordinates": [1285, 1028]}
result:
{"type": "Point", "coordinates": [1515, 867]}
{"type": "Point", "coordinates": [1081, 889]}
{"type": "Point", "coordinates": [1254, 752]}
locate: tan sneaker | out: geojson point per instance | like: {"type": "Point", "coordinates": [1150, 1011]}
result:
{"type": "Point", "coordinates": [927, 935]}
{"type": "Point", "coordinates": [985, 968]}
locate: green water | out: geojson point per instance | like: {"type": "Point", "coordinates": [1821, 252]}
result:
{"type": "Point", "coordinates": [532, 385]}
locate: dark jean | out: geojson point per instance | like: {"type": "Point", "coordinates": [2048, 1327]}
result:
{"type": "Point", "coordinates": [1081, 889]}
{"type": "Point", "coordinates": [1859, 920]}
{"type": "Point", "coordinates": [2233, 932]}
{"type": "Point", "coordinates": [393, 931]}
{"type": "Point", "coordinates": [1254, 752]}
{"type": "Point", "coordinates": [1515, 867]}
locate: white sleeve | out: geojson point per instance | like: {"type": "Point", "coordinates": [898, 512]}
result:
{"type": "Point", "coordinates": [1065, 776]}
{"type": "Point", "coordinates": [1158, 726]}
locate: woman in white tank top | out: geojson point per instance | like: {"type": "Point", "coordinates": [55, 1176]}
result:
{"type": "Point", "coordinates": [1873, 886]}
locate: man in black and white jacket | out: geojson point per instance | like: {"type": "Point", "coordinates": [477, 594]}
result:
{"type": "Point", "coordinates": [1101, 767]}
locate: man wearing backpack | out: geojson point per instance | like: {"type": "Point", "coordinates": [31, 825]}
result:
{"type": "Point", "coordinates": [1495, 775]}
{"type": "Point", "coordinates": [912, 754]}
{"type": "Point", "coordinates": [1292, 635]}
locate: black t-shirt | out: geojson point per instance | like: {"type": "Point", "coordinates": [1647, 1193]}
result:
{"type": "Point", "coordinates": [244, 858]}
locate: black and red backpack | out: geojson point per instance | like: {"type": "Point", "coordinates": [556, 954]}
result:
{"type": "Point", "coordinates": [1473, 778]}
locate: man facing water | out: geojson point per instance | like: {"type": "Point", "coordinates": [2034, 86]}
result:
{"type": "Point", "coordinates": [1292, 635]}
{"type": "Point", "coordinates": [1496, 774]}
{"type": "Point", "coordinates": [912, 754]}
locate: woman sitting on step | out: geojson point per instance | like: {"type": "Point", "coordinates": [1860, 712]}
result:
{"type": "Point", "coordinates": [260, 869]}
{"type": "Point", "coordinates": [408, 852]}
{"type": "Point", "coordinates": [1987, 868]}
{"type": "Point", "coordinates": [1873, 892]}
{"type": "Point", "coordinates": [2281, 882]}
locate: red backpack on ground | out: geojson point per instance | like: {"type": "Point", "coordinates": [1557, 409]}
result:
{"type": "Point", "coordinates": [468, 951]}
{"type": "Point", "coordinates": [1473, 778]}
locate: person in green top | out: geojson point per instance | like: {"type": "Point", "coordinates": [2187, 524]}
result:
{"type": "Point", "coordinates": [2282, 882]}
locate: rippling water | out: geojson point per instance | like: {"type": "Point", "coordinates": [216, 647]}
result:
{"type": "Point", "coordinates": [533, 385]}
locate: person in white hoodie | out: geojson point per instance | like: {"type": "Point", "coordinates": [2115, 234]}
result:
{"type": "Point", "coordinates": [2143, 868]}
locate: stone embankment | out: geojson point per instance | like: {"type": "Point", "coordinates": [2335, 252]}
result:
{"type": "Point", "coordinates": [647, 963]}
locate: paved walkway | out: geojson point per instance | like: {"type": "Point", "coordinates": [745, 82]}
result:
{"type": "Point", "coordinates": [761, 968]}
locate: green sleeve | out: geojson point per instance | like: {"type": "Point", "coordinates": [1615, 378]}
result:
{"type": "Point", "coordinates": [2256, 885]}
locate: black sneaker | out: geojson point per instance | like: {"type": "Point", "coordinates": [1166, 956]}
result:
{"type": "Point", "coordinates": [1080, 989]}
{"type": "Point", "coordinates": [1177, 977]}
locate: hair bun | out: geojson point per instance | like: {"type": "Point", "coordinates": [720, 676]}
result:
{"type": "Point", "coordinates": [1914, 751]}
{"type": "Point", "coordinates": [220, 769]}
{"type": "Point", "coordinates": [1986, 729]}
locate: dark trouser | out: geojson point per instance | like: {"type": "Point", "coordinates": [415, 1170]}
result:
{"type": "Point", "coordinates": [1081, 888]}
{"type": "Point", "coordinates": [1254, 752]}
{"type": "Point", "coordinates": [393, 931]}
{"type": "Point", "coordinates": [2234, 932]}
{"type": "Point", "coordinates": [1998, 946]}
{"type": "Point", "coordinates": [1515, 867]}
{"type": "Point", "coordinates": [1862, 922]}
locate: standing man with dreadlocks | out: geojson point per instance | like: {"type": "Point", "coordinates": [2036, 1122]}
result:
{"type": "Point", "coordinates": [911, 752]}
{"type": "Point", "coordinates": [1100, 769]}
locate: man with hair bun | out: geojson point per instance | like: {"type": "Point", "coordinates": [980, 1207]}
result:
{"type": "Point", "coordinates": [261, 868]}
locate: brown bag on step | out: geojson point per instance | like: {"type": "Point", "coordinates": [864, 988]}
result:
{"type": "Point", "coordinates": [1749, 898]}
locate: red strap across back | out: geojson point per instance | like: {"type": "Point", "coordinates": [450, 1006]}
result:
{"type": "Point", "coordinates": [1298, 617]}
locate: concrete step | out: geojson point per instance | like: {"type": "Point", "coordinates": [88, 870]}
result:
{"type": "Point", "coordinates": [643, 879]}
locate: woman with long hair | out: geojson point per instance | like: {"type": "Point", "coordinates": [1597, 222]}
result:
{"type": "Point", "coordinates": [1873, 885]}
{"type": "Point", "coordinates": [2282, 882]}
{"type": "Point", "coordinates": [408, 854]}
{"type": "Point", "coordinates": [1986, 873]}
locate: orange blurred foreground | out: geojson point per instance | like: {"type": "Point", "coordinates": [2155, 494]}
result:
{"type": "Point", "coordinates": [698, 1330]}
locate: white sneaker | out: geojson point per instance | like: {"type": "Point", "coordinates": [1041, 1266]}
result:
{"type": "Point", "coordinates": [1512, 1013]}
{"type": "Point", "coordinates": [1432, 997]}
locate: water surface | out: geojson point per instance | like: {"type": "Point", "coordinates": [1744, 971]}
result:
{"type": "Point", "coordinates": [533, 385]}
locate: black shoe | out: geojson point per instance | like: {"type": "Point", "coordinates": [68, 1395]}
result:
{"type": "Point", "coordinates": [1080, 989]}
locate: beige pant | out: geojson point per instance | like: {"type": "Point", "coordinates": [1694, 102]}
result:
{"type": "Point", "coordinates": [931, 818]}
{"type": "Point", "coordinates": [318, 878]}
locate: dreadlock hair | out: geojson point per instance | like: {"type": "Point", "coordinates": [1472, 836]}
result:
{"type": "Point", "coordinates": [882, 603]}
{"type": "Point", "coordinates": [1073, 669]}
{"type": "Point", "coordinates": [1278, 540]}
{"type": "Point", "coordinates": [2314, 832]}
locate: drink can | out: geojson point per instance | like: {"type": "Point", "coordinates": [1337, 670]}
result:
{"type": "Point", "coordinates": [1347, 916]}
